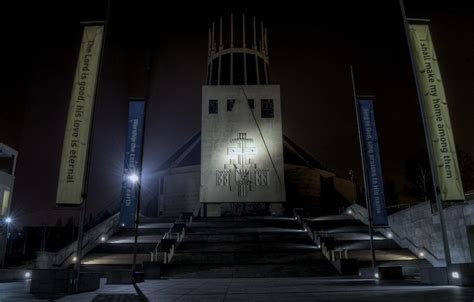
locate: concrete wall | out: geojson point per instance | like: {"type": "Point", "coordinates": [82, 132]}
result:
{"type": "Point", "coordinates": [218, 132]}
{"type": "Point", "coordinates": [417, 229]}
{"type": "Point", "coordinates": [423, 228]}
{"type": "Point", "coordinates": [6, 184]}
{"type": "Point", "coordinates": [180, 190]}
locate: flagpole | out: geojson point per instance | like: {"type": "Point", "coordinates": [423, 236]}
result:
{"type": "Point", "coordinates": [434, 171]}
{"type": "Point", "coordinates": [80, 232]}
{"type": "Point", "coordinates": [364, 173]}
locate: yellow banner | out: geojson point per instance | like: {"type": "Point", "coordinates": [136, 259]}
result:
{"type": "Point", "coordinates": [436, 111]}
{"type": "Point", "coordinates": [76, 137]}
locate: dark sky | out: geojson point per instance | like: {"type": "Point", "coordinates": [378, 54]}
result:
{"type": "Point", "coordinates": [311, 49]}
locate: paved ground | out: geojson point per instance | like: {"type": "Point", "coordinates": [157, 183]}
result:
{"type": "Point", "coordinates": [264, 289]}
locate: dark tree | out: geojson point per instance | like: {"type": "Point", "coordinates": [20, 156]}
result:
{"type": "Point", "coordinates": [466, 167]}
{"type": "Point", "coordinates": [418, 176]}
{"type": "Point", "coordinates": [391, 195]}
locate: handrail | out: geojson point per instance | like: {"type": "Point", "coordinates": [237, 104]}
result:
{"type": "Point", "coordinates": [179, 237]}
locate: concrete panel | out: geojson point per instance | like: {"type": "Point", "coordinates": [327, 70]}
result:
{"type": "Point", "coordinates": [241, 151]}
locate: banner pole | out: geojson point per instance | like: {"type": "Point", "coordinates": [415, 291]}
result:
{"type": "Point", "coordinates": [434, 172]}
{"type": "Point", "coordinates": [364, 173]}
{"type": "Point", "coordinates": [80, 232]}
{"type": "Point", "coordinates": [137, 214]}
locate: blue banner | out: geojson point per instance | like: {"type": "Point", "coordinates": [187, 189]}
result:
{"type": "Point", "coordinates": [372, 162]}
{"type": "Point", "coordinates": [133, 162]}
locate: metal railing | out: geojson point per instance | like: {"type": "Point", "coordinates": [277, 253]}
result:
{"type": "Point", "coordinates": [172, 233]}
{"type": "Point", "coordinates": [330, 254]}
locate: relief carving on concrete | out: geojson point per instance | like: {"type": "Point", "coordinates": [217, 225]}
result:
{"type": "Point", "coordinates": [241, 173]}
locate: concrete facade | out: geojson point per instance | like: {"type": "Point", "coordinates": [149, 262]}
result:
{"type": "Point", "coordinates": [241, 146]}
{"type": "Point", "coordinates": [8, 159]}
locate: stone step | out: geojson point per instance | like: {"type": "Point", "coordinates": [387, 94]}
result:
{"type": "Point", "coordinates": [141, 231]}
{"type": "Point", "coordinates": [242, 219]}
{"type": "Point", "coordinates": [245, 237]}
{"type": "Point", "coordinates": [249, 271]}
{"type": "Point", "coordinates": [356, 236]}
{"type": "Point", "coordinates": [243, 230]}
{"type": "Point", "coordinates": [219, 226]}
{"type": "Point", "coordinates": [383, 255]}
{"type": "Point", "coordinates": [328, 225]}
{"type": "Point", "coordinates": [161, 219]}
{"type": "Point", "coordinates": [112, 248]}
{"type": "Point", "coordinates": [234, 258]}
{"type": "Point", "coordinates": [237, 247]}
{"type": "Point", "coordinates": [365, 244]}
{"type": "Point", "coordinates": [113, 259]}
{"type": "Point", "coordinates": [120, 239]}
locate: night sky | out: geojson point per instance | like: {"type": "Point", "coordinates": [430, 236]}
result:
{"type": "Point", "coordinates": [311, 50]}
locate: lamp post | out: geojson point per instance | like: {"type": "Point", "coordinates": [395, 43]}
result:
{"type": "Point", "coordinates": [8, 220]}
{"type": "Point", "coordinates": [136, 182]}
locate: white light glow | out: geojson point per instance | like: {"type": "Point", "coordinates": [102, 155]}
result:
{"type": "Point", "coordinates": [74, 259]}
{"type": "Point", "coordinates": [349, 212]}
{"type": "Point", "coordinates": [455, 275]}
{"type": "Point", "coordinates": [123, 224]}
{"type": "Point", "coordinates": [133, 178]}
{"type": "Point", "coordinates": [27, 275]}
{"type": "Point", "coordinates": [389, 235]}
{"type": "Point", "coordinates": [102, 238]}
{"type": "Point", "coordinates": [8, 220]}
{"type": "Point", "coordinates": [376, 275]}
{"type": "Point", "coordinates": [421, 254]}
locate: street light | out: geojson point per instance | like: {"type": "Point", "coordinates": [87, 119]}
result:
{"type": "Point", "coordinates": [8, 220]}
{"type": "Point", "coordinates": [133, 178]}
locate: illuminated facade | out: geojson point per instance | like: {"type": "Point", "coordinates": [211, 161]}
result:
{"type": "Point", "coordinates": [242, 140]}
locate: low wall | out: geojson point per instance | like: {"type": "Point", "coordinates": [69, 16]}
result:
{"type": "Point", "coordinates": [91, 239]}
{"type": "Point", "coordinates": [419, 230]}
{"type": "Point", "coordinates": [14, 274]}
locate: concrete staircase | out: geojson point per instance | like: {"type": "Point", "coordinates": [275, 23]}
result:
{"type": "Point", "coordinates": [116, 252]}
{"type": "Point", "coordinates": [226, 247]}
{"type": "Point", "coordinates": [343, 237]}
